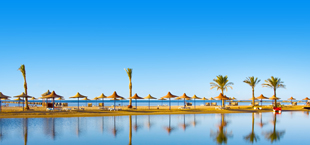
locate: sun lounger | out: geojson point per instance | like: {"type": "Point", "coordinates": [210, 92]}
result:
{"type": "Point", "coordinates": [258, 108]}
{"type": "Point", "coordinates": [214, 104]}
{"type": "Point", "coordinates": [233, 103]}
{"type": "Point", "coordinates": [184, 107]}
{"type": "Point", "coordinates": [116, 109]}
{"type": "Point", "coordinates": [102, 108]}
{"type": "Point", "coordinates": [189, 104]}
{"type": "Point", "coordinates": [207, 104]}
{"type": "Point", "coordinates": [222, 108]}
{"type": "Point", "coordinates": [66, 109]}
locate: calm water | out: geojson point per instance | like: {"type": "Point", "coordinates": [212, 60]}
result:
{"type": "Point", "coordinates": [265, 128]}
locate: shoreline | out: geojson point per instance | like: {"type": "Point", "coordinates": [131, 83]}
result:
{"type": "Point", "coordinates": [39, 112]}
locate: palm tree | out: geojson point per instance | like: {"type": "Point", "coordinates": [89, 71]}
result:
{"type": "Point", "coordinates": [252, 136]}
{"type": "Point", "coordinates": [22, 69]}
{"type": "Point", "coordinates": [129, 73]}
{"type": "Point", "coordinates": [252, 81]}
{"type": "Point", "coordinates": [274, 83]}
{"type": "Point", "coordinates": [221, 83]}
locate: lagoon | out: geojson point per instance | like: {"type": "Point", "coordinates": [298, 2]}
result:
{"type": "Point", "coordinates": [234, 128]}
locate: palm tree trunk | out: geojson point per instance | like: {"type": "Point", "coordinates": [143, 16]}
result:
{"type": "Point", "coordinates": [26, 92]}
{"type": "Point", "coordinates": [223, 104]}
{"type": "Point", "coordinates": [130, 92]}
{"type": "Point", "coordinates": [253, 99]}
{"type": "Point", "coordinates": [275, 95]}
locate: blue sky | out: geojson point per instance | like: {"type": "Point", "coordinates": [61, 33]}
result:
{"type": "Point", "coordinates": [177, 46]}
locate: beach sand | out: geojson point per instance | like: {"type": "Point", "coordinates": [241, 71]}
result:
{"type": "Point", "coordinates": [40, 112]}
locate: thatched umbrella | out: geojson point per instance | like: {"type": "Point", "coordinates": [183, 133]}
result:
{"type": "Point", "coordinates": [211, 100]}
{"type": "Point", "coordinates": [62, 98]}
{"type": "Point", "coordinates": [44, 94]}
{"type": "Point", "coordinates": [306, 99]}
{"type": "Point", "coordinates": [184, 96]}
{"type": "Point", "coordinates": [121, 100]}
{"type": "Point", "coordinates": [204, 100]}
{"type": "Point", "coordinates": [3, 97]}
{"type": "Point", "coordinates": [78, 96]}
{"type": "Point", "coordinates": [149, 97]}
{"type": "Point", "coordinates": [135, 97]}
{"type": "Point", "coordinates": [96, 98]}
{"type": "Point", "coordinates": [275, 99]}
{"type": "Point", "coordinates": [53, 95]}
{"type": "Point", "coordinates": [102, 96]}
{"type": "Point", "coordinates": [291, 99]}
{"type": "Point", "coordinates": [162, 100]}
{"type": "Point", "coordinates": [33, 98]}
{"type": "Point", "coordinates": [177, 98]}
{"type": "Point", "coordinates": [169, 95]}
{"type": "Point", "coordinates": [85, 100]}
{"type": "Point", "coordinates": [195, 97]}
{"type": "Point", "coordinates": [114, 95]}
{"type": "Point", "coordinates": [221, 97]}
{"type": "Point", "coordinates": [261, 97]}
{"type": "Point", "coordinates": [23, 95]}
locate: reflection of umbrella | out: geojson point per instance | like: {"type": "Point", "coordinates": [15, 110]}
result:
{"type": "Point", "coordinates": [261, 124]}
{"type": "Point", "coordinates": [149, 97]}
{"type": "Point", "coordinates": [169, 128]}
{"type": "Point", "coordinates": [2, 97]}
{"type": "Point", "coordinates": [149, 122]}
{"type": "Point", "coordinates": [102, 96]}
{"type": "Point", "coordinates": [169, 95]}
{"type": "Point", "coordinates": [195, 97]}
{"type": "Point", "coordinates": [184, 96]}
{"type": "Point", "coordinates": [291, 99]}
{"type": "Point", "coordinates": [78, 95]}
{"type": "Point", "coordinates": [184, 125]}
{"type": "Point", "coordinates": [221, 97]}
{"type": "Point", "coordinates": [261, 97]}
{"type": "Point", "coordinates": [194, 122]}
{"type": "Point", "coordinates": [135, 97]}
{"type": "Point", "coordinates": [162, 100]}
{"type": "Point", "coordinates": [23, 95]}
{"type": "Point", "coordinates": [275, 99]}
{"type": "Point", "coordinates": [114, 95]}
{"type": "Point", "coordinates": [114, 130]}
{"type": "Point", "coordinates": [53, 95]}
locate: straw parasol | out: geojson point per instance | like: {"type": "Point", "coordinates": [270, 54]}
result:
{"type": "Point", "coordinates": [114, 95]}
{"type": "Point", "coordinates": [85, 100]}
{"type": "Point", "coordinates": [44, 94]}
{"type": "Point", "coordinates": [102, 96]}
{"type": "Point", "coordinates": [162, 100]}
{"type": "Point", "coordinates": [291, 99]}
{"type": "Point", "coordinates": [204, 100]}
{"type": "Point", "coordinates": [275, 99]}
{"type": "Point", "coordinates": [177, 98]}
{"type": "Point", "coordinates": [2, 97]}
{"type": "Point", "coordinates": [261, 97]}
{"type": "Point", "coordinates": [221, 97]}
{"type": "Point", "coordinates": [306, 99]}
{"type": "Point", "coordinates": [211, 100]}
{"type": "Point", "coordinates": [122, 99]}
{"type": "Point", "coordinates": [135, 97]}
{"type": "Point", "coordinates": [149, 97]}
{"type": "Point", "coordinates": [33, 98]}
{"type": "Point", "coordinates": [169, 95]}
{"type": "Point", "coordinates": [53, 95]}
{"type": "Point", "coordinates": [184, 96]}
{"type": "Point", "coordinates": [195, 97]}
{"type": "Point", "coordinates": [78, 95]}
{"type": "Point", "coordinates": [23, 95]}
{"type": "Point", "coordinates": [96, 98]}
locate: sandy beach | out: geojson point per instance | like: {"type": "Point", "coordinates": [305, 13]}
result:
{"type": "Point", "coordinates": [40, 112]}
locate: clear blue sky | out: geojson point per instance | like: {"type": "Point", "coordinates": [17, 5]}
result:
{"type": "Point", "coordinates": [177, 46]}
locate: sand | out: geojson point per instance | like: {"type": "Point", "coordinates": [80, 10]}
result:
{"type": "Point", "coordinates": [40, 112]}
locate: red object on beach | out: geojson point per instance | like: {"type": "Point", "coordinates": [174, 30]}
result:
{"type": "Point", "coordinates": [277, 109]}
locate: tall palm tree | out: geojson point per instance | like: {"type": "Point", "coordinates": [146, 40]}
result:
{"type": "Point", "coordinates": [129, 73]}
{"type": "Point", "coordinates": [22, 69]}
{"type": "Point", "coordinates": [221, 83]}
{"type": "Point", "coordinates": [274, 83]}
{"type": "Point", "coordinates": [252, 81]}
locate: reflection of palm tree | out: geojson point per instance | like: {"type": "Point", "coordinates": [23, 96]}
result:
{"type": "Point", "coordinates": [169, 128]}
{"type": "Point", "coordinates": [221, 135]}
{"type": "Point", "coordinates": [252, 137]}
{"type": "Point", "coordinates": [274, 135]}
{"type": "Point", "coordinates": [25, 124]}
{"type": "Point", "coordinates": [130, 130]}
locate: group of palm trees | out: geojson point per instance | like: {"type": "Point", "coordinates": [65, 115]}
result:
{"type": "Point", "coordinates": [222, 83]}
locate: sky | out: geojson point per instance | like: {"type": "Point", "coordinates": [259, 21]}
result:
{"type": "Point", "coordinates": [177, 46]}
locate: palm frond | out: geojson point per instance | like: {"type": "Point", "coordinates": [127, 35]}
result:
{"type": "Point", "coordinates": [221, 83]}
{"type": "Point", "coordinates": [129, 72]}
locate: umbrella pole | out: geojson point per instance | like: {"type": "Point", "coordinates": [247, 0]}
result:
{"type": "Point", "coordinates": [195, 103]}
{"type": "Point", "coordinates": [184, 102]}
{"type": "Point", "coordinates": [53, 103]}
{"type": "Point", "coordinates": [169, 104]}
{"type": "Point", "coordinates": [136, 104]}
{"type": "Point", "coordinates": [23, 105]}
{"type": "Point", "coordinates": [149, 104]}
{"type": "Point", "coordinates": [78, 103]}
{"type": "Point", "coordinates": [0, 105]}
{"type": "Point", "coordinates": [114, 103]}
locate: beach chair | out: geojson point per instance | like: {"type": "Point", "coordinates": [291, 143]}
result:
{"type": "Point", "coordinates": [189, 104]}
{"type": "Point", "coordinates": [213, 104]}
{"type": "Point", "coordinates": [294, 103]}
{"type": "Point", "coordinates": [207, 104]}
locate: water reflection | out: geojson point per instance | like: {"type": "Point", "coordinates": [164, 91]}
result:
{"type": "Point", "coordinates": [169, 128]}
{"type": "Point", "coordinates": [274, 135]}
{"type": "Point", "coordinates": [261, 123]}
{"type": "Point", "coordinates": [221, 136]}
{"type": "Point", "coordinates": [25, 130]}
{"type": "Point", "coordinates": [194, 123]}
{"type": "Point", "coordinates": [252, 137]}
{"type": "Point", "coordinates": [130, 130]}
{"type": "Point", "coordinates": [183, 126]}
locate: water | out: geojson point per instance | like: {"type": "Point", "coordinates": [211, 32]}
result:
{"type": "Point", "coordinates": [232, 129]}
{"type": "Point", "coordinates": [146, 102]}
